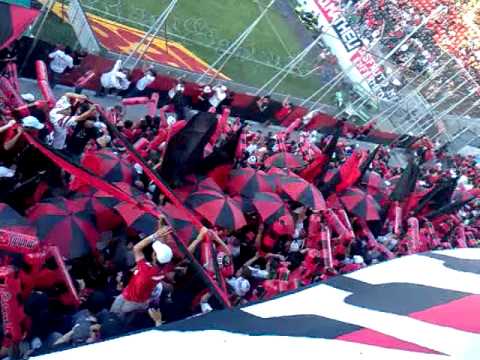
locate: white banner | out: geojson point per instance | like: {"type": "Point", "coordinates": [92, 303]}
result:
{"type": "Point", "coordinates": [352, 54]}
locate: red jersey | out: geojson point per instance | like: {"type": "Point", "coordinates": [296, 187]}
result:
{"type": "Point", "coordinates": [144, 280]}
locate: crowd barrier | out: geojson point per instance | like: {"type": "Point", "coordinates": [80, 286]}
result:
{"type": "Point", "coordinates": [94, 66]}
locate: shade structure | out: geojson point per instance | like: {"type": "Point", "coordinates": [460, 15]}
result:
{"type": "Point", "coordinates": [180, 222]}
{"type": "Point", "coordinates": [218, 209]}
{"type": "Point", "coordinates": [13, 221]}
{"type": "Point", "coordinates": [14, 20]}
{"type": "Point", "coordinates": [109, 166]}
{"type": "Point", "coordinates": [68, 224]}
{"type": "Point", "coordinates": [248, 181]}
{"type": "Point", "coordinates": [269, 206]}
{"type": "Point", "coordinates": [361, 204]}
{"type": "Point", "coordinates": [285, 160]}
{"type": "Point", "coordinates": [302, 191]}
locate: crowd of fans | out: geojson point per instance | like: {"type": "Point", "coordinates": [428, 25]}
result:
{"type": "Point", "coordinates": [446, 32]}
{"type": "Point", "coordinates": [133, 280]}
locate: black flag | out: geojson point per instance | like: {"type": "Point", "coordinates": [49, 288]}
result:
{"type": "Point", "coordinates": [185, 150]}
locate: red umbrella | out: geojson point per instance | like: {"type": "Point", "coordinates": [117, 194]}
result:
{"type": "Point", "coordinates": [247, 181]}
{"type": "Point", "coordinates": [270, 206]}
{"type": "Point", "coordinates": [217, 208]}
{"type": "Point", "coordinates": [361, 204]}
{"type": "Point", "coordinates": [285, 160]}
{"type": "Point", "coordinates": [302, 191]}
{"type": "Point", "coordinates": [68, 224]}
{"type": "Point", "coordinates": [13, 221]}
{"type": "Point", "coordinates": [180, 222]}
{"type": "Point", "coordinates": [109, 166]}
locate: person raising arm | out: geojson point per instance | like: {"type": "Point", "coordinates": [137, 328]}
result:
{"type": "Point", "coordinates": [151, 254]}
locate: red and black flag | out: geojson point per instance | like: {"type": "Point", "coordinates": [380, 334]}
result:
{"type": "Point", "coordinates": [439, 196]}
{"type": "Point", "coordinates": [14, 20]}
{"type": "Point", "coordinates": [366, 164]}
{"type": "Point", "coordinates": [220, 162]}
{"type": "Point", "coordinates": [406, 184]}
{"type": "Point", "coordinates": [185, 149]}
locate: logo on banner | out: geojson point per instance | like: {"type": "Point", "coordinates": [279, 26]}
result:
{"type": "Point", "coordinates": [346, 34]}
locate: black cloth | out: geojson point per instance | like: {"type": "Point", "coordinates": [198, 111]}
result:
{"type": "Point", "coordinates": [79, 139]}
{"type": "Point", "coordinates": [185, 149]}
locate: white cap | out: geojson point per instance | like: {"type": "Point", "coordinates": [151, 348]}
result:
{"type": "Point", "coordinates": [32, 122]}
{"type": "Point", "coordinates": [205, 307]}
{"type": "Point", "coordinates": [252, 160]}
{"type": "Point", "coordinates": [6, 172]}
{"type": "Point", "coordinates": [138, 168]}
{"type": "Point", "coordinates": [294, 246]}
{"type": "Point", "coordinates": [28, 97]}
{"type": "Point", "coordinates": [163, 252]}
{"type": "Point", "coordinates": [357, 259]}
{"type": "Point", "coordinates": [171, 120]}
{"type": "Point", "coordinates": [207, 89]}
{"type": "Point", "coordinates": [240, 285]}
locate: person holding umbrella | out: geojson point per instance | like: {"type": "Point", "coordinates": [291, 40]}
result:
{"type": "Point", "coordinates": [148, 274]}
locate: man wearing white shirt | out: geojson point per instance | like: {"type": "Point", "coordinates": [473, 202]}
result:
{"type": "Point", "coordinates": [61, 60]}
{"type": "Point", "coordinates": [115, 79]}
{"type": "Point", "coordinates": [62, 119]}
{"type": "Point", "coordinates": [219, 94]}
{"type": "Point", "coordinates": [140, 88]}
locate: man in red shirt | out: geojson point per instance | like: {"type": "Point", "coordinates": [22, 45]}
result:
{"type": "Point", "coordinates": [147, 275]}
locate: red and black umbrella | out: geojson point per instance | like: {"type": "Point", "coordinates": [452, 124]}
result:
{"type": "Point", "coordinates": [209, 184]}
{"type": "Point", "coordinates": [245, 203]}
{"type": "Point", "coordinates": [14, 20]}
{"type": "Point", "coordinates": [302, 191]}
{"type": "Point", "coordinates": [373, 180]}
{"type": "Point", "coordinates": [218, 209]}
{"type": "Point", "coordinates": [285, 160]}
{"type": "Point", "coordinates": [333, 202]}
{"type": "Point", "coordinates": [361, 204]}
{"type": "Point", "coordinates": [109, 166]}
{"type": "Point", "coordinates": [102, 205]}
{"type": "Point", "coordinates": [138, 218]}
{"type": "Point", "coordinates": [68, 224]}
{"type": "Point", "coordinates": [13, 221]}
{"type": "Point", "coordinates": [374, 185]}
{"type": "Point", "coordinates": [247, 182]}
{"type": "Point", "coordinates": [270, 206]}
{"type": "Point", "coordinates": [180, 222]}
